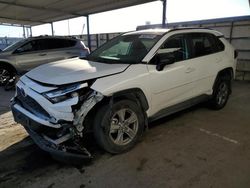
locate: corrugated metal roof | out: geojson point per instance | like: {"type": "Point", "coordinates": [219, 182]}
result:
{"type": "Point", "coordinates": [36, 12]}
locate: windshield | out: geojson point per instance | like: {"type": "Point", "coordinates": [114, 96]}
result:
{"type": "Point", "coordinates": [129, 49]}
{"type": "Point", "coordinates": [14, 45]}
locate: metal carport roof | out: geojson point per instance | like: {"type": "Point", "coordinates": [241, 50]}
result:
{"type": "Point", "coordinates": [36, 12]}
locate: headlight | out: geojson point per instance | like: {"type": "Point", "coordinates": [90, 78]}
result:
{"type": "Point", "coordinates": [64, 93]}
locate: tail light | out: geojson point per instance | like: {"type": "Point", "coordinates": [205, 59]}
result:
{"type": "Point", "coordinates": [84, 52]}
{"type": "Point", "coordinates": [235, 54]}
{"type": "Point", "coordinates": [87, 49]}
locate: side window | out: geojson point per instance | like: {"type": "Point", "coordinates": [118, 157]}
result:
{"type": "Point", "coordinates": [28, 47]}
{"type": "Point", "coordinates": [54, 43]}
{"type": "Point", "coordinates": [60, 43]}
{"type": "Point", "coordinates": [202, 44]}
{"type": "Point", "coordinates": [71, 43]}
{"type": "Point", "coordinates": [42, 44]}
{"type": "Point", "coordinates": [219, 46]}
{"type": "Point", "coordinates": [178, 46]}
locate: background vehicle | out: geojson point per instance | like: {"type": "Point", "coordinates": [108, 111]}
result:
{"type": "Point", "coordinates": [136, 77]}
{"type": "Point", "coordinates": [32, 52]}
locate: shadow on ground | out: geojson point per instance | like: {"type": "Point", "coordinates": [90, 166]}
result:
{"type": "Point", "coordinates": [5, 97]}
{"type": "Point", "coordinates": [173, 153]}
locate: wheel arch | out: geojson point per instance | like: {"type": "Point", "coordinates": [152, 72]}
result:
{"type": "Point", "coordinates": [7, 64]}
{"type": "Point", "coordinates": [134, 94]}
{"type": "Point", "coordinates": [226, 73]}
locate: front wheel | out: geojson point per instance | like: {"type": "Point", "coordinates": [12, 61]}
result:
{"type": "Point", "coordinates": [221, 94]}
{"type": "Point", "coordinates": [6, 73]}
{"type": "Point", "coordinates": [10, 84]}
{"type": "Point", "coordinates": [118, 128]}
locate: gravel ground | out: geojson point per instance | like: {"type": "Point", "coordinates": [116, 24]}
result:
{"type": "Point", "coordinates": [194, 148]}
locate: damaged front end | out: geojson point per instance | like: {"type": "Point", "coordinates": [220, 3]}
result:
{"type": "Point", "coordinates": [61, 138]}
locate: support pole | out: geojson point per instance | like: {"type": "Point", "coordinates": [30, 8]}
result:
{"type": "Point", "coordinates": [27, 31]}
{"type": "Point", "coordinates": [31, 31]}
{"type": "Point", "coordinates": [164, 13]}
{"type": "Point", "coordinates": [231, 32]}
{"type": "Point", "coordinates": [88, 33]}
{"type": "Point", "coordinates": [24, 35]}
{"type": "Point", "coordinates": [52, 28]}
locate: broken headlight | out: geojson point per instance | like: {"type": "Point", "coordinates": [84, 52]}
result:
{"type": "Point", "coordinates": [64, 93]}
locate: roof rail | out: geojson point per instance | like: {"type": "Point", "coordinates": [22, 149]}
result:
{"type": "Point", "coordinates": [49, 36]}
{"type": "Point", "coordinates": [184, 28]}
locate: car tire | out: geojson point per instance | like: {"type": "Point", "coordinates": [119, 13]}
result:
{"type": "Point", "coordinates": [117, 128]}
{"type": "Point", "coordinates": [6, 73]}
{"type": "Point", "coordinates": [221, 93]}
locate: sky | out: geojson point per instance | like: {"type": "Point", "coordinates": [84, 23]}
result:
{"type": "Point", "coordinates": [127, 19]}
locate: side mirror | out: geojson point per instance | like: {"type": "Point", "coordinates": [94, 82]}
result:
{"type": "Point", "coordinates": [163, 58]}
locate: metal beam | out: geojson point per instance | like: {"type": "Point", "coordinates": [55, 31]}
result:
{"type": "Point", "coordinates": [88, 33]}
{"type": "Point", "coordinates": [164, 13]}
{"type": "Point", "coordinates": [38, 8]}
{"type": "Point", "coordinates": [22, 20]}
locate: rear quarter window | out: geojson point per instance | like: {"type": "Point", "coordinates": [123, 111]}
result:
{"type": "Point", "coordinates": [219, 46]}
{"type": "Point", "coordinates": [71, 43]}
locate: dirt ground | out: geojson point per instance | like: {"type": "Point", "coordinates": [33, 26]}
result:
{"type": "Point", "coordinates": [194, 148]}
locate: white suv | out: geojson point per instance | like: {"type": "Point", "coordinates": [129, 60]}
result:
{"type": "Point", "coordinates": [135, 78]}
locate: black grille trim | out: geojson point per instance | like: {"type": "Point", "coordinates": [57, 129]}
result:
{"type": "Point", "coordinates": [31, 105]}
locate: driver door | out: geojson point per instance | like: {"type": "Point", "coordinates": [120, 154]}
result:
{"type": "Point", "coordinates": [173, 84]}
{"type": "Point", "coordinates": [31, 55]}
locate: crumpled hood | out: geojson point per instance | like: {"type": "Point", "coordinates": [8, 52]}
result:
{"type": "Point", "coordinates": [73, 70]}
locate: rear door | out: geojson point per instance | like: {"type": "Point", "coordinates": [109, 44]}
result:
{"type": "Point", "coordinates": [61, 49]}
{"type": "Point", "coordinates": [206, 58]}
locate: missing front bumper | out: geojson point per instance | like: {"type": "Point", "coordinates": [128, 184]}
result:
{"type": "Point", "coordinates": [61, 151]}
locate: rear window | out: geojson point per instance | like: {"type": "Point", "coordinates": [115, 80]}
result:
{"type": "Point", "coordinates": [204, 44]}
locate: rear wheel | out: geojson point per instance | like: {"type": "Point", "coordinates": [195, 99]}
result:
{"type": "Point", "coordinates": [118, 128]}
{"type": "Point", "coordinates": [221, 93]}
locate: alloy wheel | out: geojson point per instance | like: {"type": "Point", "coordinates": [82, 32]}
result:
{"type": "Point", "coordinates": [222, 94]}
{"type": "Point", "coordinates": [4, 75]}
{"type": "Point", "coordinates": [124, 126]}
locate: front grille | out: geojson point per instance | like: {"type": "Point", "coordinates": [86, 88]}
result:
{"type": "Point", "coordinates": [31, 105]}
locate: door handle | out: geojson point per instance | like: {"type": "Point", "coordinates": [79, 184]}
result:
{"type": "Point", "coordinates": [42, 54]}
{"type": "Point", "coordinates": [190, 69]}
